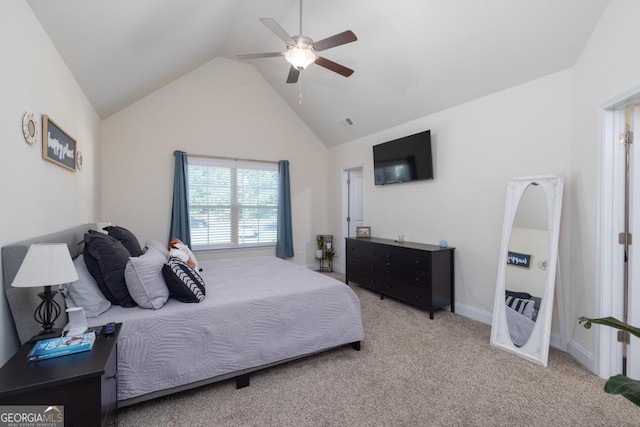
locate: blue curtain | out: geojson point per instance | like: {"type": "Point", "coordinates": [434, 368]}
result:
{"type": "Point", "coordinates": [284, 243]}
{"type": "Point", "coordinates": [180, 210]}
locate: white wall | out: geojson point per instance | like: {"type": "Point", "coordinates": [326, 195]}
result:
{"type": "Point", "coordinates": [38, 196]}
{"type": "Point", "coordinates": [609, 65]}
{"type": "Point", "coordinates": [224, 108]}
{"type": "Point", "coordinates": [478, 146]}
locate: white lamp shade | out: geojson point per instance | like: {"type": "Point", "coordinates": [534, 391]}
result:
{"type": "Point", "coordinates": [300, 57]}
{"type": "Point", "coordinates": [46, 264]}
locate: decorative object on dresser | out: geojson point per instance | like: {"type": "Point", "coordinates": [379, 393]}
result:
{"type": "Point", "coordinates": [416, 273]}
{"type": "Point", "coordinates": [45, 265]}
{"type": "Point", "coordinates": [363, 231]}
{"type": "Point", "coordinates": [57, 146]}
{"type": "Point", "coordinates": [85, 383]}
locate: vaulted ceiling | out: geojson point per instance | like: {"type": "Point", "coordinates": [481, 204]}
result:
{"type": "Point", "coordinates": [412, 57]}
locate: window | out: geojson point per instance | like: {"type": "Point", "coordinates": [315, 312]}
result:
{"type": "Point", "coordinates": [232, 203]}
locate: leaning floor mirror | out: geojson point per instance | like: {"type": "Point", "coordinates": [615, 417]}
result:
{"type": "Point", "coordinates": [528, 259]}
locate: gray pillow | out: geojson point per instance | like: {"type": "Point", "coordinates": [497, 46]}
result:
{"type": "Point", "coordinates": [143, 276]}
{"type": "Point", "coordinates": [85, 292]}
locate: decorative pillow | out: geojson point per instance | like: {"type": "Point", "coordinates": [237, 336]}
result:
{"type": "Point", "coordinates": [176, 246]}
{"type": "Point", "coordinates": [85, 292]}
{"type": "Point", "coordinates": [106, 259]}
{"type": "Point", "coordinates": [522, 306]}
{"type": "Point", "coordinates": [143, 276]}
{"type": "Point", "coordinates": [156, 245]}
{"type": "Point", "coordinates": [184, 283]}
{"type": "Point", "coordinates": [125, 237]}
{"type": "Point", "coordinates": [521, 295]}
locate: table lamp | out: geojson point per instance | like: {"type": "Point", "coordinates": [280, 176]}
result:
{"type": "Point", "coordinates": [46, 264]}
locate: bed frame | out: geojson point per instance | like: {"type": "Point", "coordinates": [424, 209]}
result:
{"type": "Point", "coordinates": [22, 302]}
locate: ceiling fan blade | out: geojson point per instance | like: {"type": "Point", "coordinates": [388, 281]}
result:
{"type": "Point", "coordinates": [334, 66]}
{"type": "Point", "coordinates": [293, 75]}
{"type": "Point", "coordinates": [337, 40]}
{"type": "Point", "coordinates": [258, 55]}
{"type": "Point", "coordinates": [277, 30]}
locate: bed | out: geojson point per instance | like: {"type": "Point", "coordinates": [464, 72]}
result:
{"type": "Point", "coordinates": [258, 312]}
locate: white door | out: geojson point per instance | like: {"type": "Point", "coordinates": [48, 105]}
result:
{"type": "Point", "coordinates": [353, 210]}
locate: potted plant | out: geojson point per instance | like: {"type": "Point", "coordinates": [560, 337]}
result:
{"type": "Point", "coordinates": [329, 253]}
{"type": "Point", "coordinates": [618, 384]}
{"type": "Point", "coordinates": [319, 244]}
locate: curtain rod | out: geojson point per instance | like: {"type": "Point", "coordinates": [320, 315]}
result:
{"type": "Point", "coordinates": [231, 158]}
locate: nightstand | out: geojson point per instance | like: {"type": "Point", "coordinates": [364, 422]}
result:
{"type": "Point", "coordinates": [84, 383]}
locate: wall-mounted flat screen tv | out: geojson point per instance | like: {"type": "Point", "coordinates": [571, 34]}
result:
{"type": "Point", "coordinates": [404, 159]}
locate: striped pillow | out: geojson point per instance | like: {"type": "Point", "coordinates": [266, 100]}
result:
{"type": "Point", "coordinates": [522, 306]}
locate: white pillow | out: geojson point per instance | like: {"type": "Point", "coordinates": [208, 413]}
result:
{"type": "Point", "coordinates": [157, 245]}
{"type": "Point", "coordinates": [143, 276]}
{"type": "Point", "coordinates": [85, 292]}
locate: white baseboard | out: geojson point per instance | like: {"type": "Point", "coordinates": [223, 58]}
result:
{"type": "Point", "coordinates": [474, 313]}
{"type": "Point", "coordinates": [581, 355]}
{"type": "Point", "coordinates": [573, 348]}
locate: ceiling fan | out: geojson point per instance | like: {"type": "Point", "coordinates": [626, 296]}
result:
{"type": "Point", "coordinates": [302, 50]}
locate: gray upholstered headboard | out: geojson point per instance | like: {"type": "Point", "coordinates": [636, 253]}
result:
{"type": "Point", "coordinates": [23, 301]}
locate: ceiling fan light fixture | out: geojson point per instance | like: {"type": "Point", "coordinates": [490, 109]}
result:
{"type": "Point", "coordinates": [300, 57]}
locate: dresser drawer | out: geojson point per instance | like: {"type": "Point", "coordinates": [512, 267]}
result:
{"type": "Point", "coordinates": [365, 278]}
{"type": "Point", "coordinates": [417, 296]}
{"type": "Point", "coordinates": [417, 260]}
{"type": "Point", "coordinates": [416, 278]}
{"type": "Point", "coordinates": [365, 250]}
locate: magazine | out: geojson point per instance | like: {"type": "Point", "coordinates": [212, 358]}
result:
{"type": "Point", "coordinates": [55, 347]}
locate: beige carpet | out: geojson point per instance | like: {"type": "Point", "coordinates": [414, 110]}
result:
{"type": "Point", "coordinates": [411, 371]}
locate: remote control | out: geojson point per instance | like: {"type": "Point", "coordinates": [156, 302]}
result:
{"type": "Point", "coordinates": [109, 328]}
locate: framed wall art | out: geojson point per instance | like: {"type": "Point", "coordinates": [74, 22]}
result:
{"type": "Point", "coordinates": [363, 231]}
{"type": "Point", "coordinates": [57, 146]}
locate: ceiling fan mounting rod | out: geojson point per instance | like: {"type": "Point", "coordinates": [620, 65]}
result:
{"type": "Point", "coordinates": [301, 33]}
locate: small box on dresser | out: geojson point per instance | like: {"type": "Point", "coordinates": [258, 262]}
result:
{"type": "Point", "coordinates": [86, 384]}
{"type": "Point", "coordinates": [416, 273]}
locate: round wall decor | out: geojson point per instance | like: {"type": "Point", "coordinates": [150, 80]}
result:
{"type": "Point", "coordinates": [79, 160]}
{"type": "Point", "coordinates": [29, 128]}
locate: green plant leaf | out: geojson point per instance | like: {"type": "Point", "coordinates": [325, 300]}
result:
{"type": "Point", "coordinates": [625, 386]}
{"type": "Point", "coordinates": [610, 321]}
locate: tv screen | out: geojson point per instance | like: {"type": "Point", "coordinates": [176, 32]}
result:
{"type": "Point", "coordinates": [404, 159]}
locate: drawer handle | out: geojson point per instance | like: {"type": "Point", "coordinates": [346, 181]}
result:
{"type": "Point", "coordinates": [417, 261]}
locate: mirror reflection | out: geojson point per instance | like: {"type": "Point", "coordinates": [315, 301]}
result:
{"type": "Point", "coordinates": [526, 270]}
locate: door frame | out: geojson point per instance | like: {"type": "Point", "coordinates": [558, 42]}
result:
{"type": "Point", "coordinates": [609, 222]}
{"type": "Point", "coordinates": [345, 200]}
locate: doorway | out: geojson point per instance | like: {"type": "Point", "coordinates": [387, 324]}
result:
{"type": "Point", "coordinates": [353, 207]}
{"type": "Point", "coordinates": [619, 115]}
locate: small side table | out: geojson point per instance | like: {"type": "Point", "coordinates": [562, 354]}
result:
{"type": "Point", "coordinates": [85, 383]}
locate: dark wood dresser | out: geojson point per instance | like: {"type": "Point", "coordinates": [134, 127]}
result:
{"type": "Point", "coordinates": [416, 273]}
{"type": "Point", "coordinates": [85, 383]}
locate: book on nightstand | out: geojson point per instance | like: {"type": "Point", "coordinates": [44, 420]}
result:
{"type": "Point", "coordinates": [62, 346]}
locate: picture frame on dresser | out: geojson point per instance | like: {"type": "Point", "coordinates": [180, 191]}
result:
{"type": "Point", "coordinates": [58, 146]}
{"type": "Point", "coordinates": [363, 231]}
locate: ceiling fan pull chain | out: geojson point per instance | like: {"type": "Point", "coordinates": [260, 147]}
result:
{"type": "Point", "coordinates": [300, 88]}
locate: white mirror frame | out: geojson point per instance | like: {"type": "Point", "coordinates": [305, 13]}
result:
{"type": "Point", "coordinates": [536, 349]}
